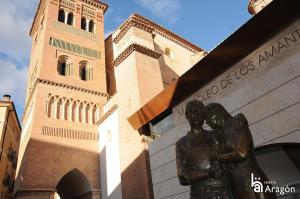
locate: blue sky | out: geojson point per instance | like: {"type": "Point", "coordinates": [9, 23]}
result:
{"type": "Point", "coordinates": [205, 23]}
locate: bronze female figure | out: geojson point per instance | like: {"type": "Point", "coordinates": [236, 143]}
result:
{"type": "Point", "coordinates": [236, 151]}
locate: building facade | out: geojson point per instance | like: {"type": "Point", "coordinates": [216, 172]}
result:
{"type": "Point", "coordinates": [81, 90]}
{"type": "Point", "coordinates": [255, 72]}
{"type": "Point", "coordinates": [142, 58]}
{"type": "Point", "coordinates": [10, 134]}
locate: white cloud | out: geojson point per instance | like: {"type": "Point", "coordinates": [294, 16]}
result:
{"type": "Point", "coordinates": [13, 81]}
{"type": "Point", "coordinates": [15, 46]}
{"type": "Point", "coordinates": [16, 17]}
{"type": "Point", "coordinates": [166, 9]}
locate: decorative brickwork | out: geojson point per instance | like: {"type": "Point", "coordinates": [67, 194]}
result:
{"type": "Point", "coordinates": [107, 114]}
{"type": "Point", "coordinates": [51, 83]}
{"type": "Point", "coordinates": [74, 48]}
{"type": "Point", "coordinates": [75, 31]}
{"type": "Point", "coordinates": [128, 25]}
{"type": "Point", "coordinates": [135, 47]}
{"type": "Point", "coordinates": [74, 110]}
{"type": "Point", "coordinates": [68, 3]}
{"type": "Point", "coordinates": [69, 133]}
{"type": "Point", "coordinates": [88, 11]}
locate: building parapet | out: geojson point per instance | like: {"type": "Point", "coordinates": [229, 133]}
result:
{"type": "Point", "coordinates": [141, 22]}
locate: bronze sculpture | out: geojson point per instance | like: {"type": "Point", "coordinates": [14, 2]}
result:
{"type": "Point", "coordinates": [194, 151]}
{"type": "Point", "coordinates": [236, 151]}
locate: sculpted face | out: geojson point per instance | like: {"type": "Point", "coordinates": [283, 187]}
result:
{"type": "Point", "coordinates": [195, 114]}
{"type": "Point", "coordinates": [215, 115]}
{"type": "Point", "coordinates": [214, 120]}
{"type": "Point", "coordinates": [196, 117]}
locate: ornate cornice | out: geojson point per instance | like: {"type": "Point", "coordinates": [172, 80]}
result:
{"type": "Point", "coordinates": [76, 88]}
{"type": "Point", "coordinates": [128, 25]}
{"type": "Point", "coordinates": [135, 47]}
{"type": "Point", "coordinates": [144, 23]}
{"type": "Point", "coordinates": [97, 4]}
{"type": "Point", "coordinates": [107, 114]}
{"type": "Point", "coordinates": [42, 4]}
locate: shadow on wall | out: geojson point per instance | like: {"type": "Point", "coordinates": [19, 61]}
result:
{"type": "Point", "coordinates": [136, 180]}
{"type": "Point", "coordinates": [57, 169]}
{"type": "Point", "coordinates": [167, 73]}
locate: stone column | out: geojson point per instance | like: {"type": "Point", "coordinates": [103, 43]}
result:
{"type": "Point", "coordinates": [87, 24]}
{"type": "Point", "coordinates": [66, 17]}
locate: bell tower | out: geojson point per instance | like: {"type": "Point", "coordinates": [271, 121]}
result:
{"type": "Point", "coordinates": [66, 91]}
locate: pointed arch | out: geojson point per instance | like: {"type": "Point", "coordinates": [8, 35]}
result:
{"type": "Point", "coordinates": [64, 66]}
{"type": "Point", "coordinates": [74, 184]}
{"type": "Point", "coordinates": [80, 112]}
{"type": "Point", "coordinates": [73, 115]}
{"type": "Point", "coordinates": [59, 109]}
{"type": "Point", "coordinates": [67, 110]}
{"type": "Point", "coordinates": [94, 114]}
{"type": "Point", "coordinates": [85, 71]}
{"type": "Point", "coordinates": [87, 113]}
{"type": "Point", "coordinates": [51, 107]}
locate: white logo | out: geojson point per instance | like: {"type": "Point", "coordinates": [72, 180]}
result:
{"type": "Point", "coordinates": [270, 186]}
{"type": "Point", "coordinates": [256, 184]}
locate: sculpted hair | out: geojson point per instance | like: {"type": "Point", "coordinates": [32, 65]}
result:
{"type": "Point", "coordinates": [218, 109]}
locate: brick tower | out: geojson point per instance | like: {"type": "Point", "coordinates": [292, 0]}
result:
{"type": "Point", "coordinates": [65, 94]}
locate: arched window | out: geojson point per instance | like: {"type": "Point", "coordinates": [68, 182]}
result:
{"type": "Point", "coordinates": [85, 72]}
{"type": "Point", "coordinates": [87, 114]}
{"type": "Point", "coordinates": [64, 66]}
{"type": "Point", "coordinates": [59, 110]}
{"type": "Point", "coordinates": [81, 113]}
{"type": "Point", "coordinates": [74, 111]}
{"type": "Point", "coordinates": [94, 115]}
{"type": "Point", "coordinates": [70, 19]}
{"type": "Point", "coordinates": [51, 108]}
{"type": "Point", "coordinates": [91, 26]}
{"type": "Point", "coordinates": [83, 23]}
{"type": "Point", "coordinates": [61, 15]}
{"type": "Point", "coordinates": [67, 110]}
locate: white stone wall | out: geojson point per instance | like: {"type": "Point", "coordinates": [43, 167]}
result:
{"type": "Point", "coordinates": [265, 88]}
{"type": "Point", "coordinates": [110, 158]}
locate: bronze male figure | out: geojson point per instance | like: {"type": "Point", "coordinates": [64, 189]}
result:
{"type": "Point", "coordinates": [193, 153]}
